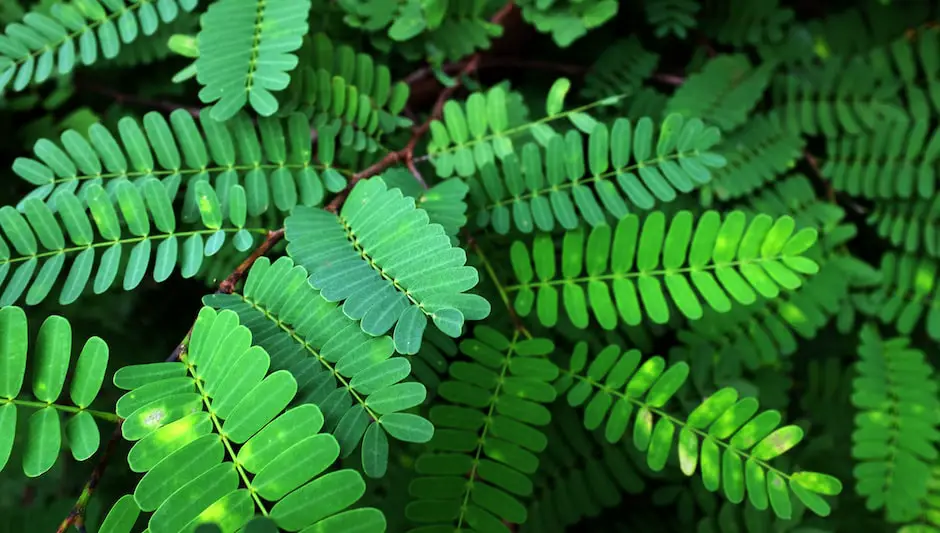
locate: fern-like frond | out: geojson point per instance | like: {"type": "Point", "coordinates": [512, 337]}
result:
{"type": "Point", "coordinates": [837, 97]}
{"type": "Point", "coordinates": [672, 17]}
{"type": "Point", "coordinates": [445, 31]}
{"type": "Point", "coordinates": [911, 225]}
{"type": "Point", "coordinates": [724, 437]}
{"type": "Point", "coordinates": [897, 160]}
{"type": "Point", "coordinates": [725, 260]}
{"type": "Point", "coordinates": [723, 93]}
{"type": "Point", "coordinates": [758, 153]}
{"type": "Point", "coordinates": [39, 240]}
{"type": "Point", "coordinates": [387, 263]}
{"type": "Point", "coordinates": [896, 429]}
{"type": "Point", "coordinates": [907, 294]}
{"type": "Point", "coordinates": [747, 22]}
{"type": "Point", "coordinates": [645, 102]}
{"type": "Point", "coordinates": [470, 135]}
{"type": "Point", "coordinates": [351, 376]}
{"type": "Point", "coordinates": [246, 52]}
{"type": "Point", "coordinates": [485, 447]}
{"type": "Point", "coordinates": [567, 20]}
{"type": "Point", "coordinates": [621, 68]}
{"type": "Point", "coordinates": [188, 418]}
{"type": "Point", "coordinates": [796, 197]}
{"type": "Point", "coordinates": [762, 334]}
{"type": "Point", "coordinates": [52, 355]}
{"type": "Point", "coordinates": [541, 188]}
{"type": "Point", "coordinates": [43, 45]}
{"type": "Point", "coordinates": [373, 15]}
{"type": "Point", "coordinates": [857, 31]}
{"type": "Point", "coordinates": [273, 161]}
{"type": "Point", "coordinates": [766, 332]}
{"type": "Point", "coordinates": [335, 86]}
{"type": "Point", "coordinates": [929, 520]}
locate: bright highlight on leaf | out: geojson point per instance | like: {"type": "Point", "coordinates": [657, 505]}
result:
{"type": "Point", "coordinates": [722, 437]}
{"type": "Point", "coordinates": [37, 259]}
{"type": "Point", "coordinates": [618, 274]}
{"type": "Point", "coordinates": [193, 474]}
{"type": "Point", "coordinates": [51, 359]}
{"type": "Point", "coordinates": [356, 381]}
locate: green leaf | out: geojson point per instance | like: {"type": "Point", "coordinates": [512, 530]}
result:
{"type": "Point", "coordinates": [318, 500]}
{"type": "Point", "coordinates": [375, 451]}
{"type": "Point", "coordinates": [13, 344]}
{"type": "Point", "coordinates": [555, 101]}
{"type": "Point", "coordinates": [300, 463]}
{"type": "Point", "coordinates": [44, 442]}
{"type": "Point", "coordinates": [419, 267]}
{"type": "Point", "coordinates": [122, 516]}
{"type": "Point", "coordinates": [89, 372]}
{"type": "Point", "coordinates": [83, 436]}
{"type": "Point", "coordinates": [260, 405]}
{"type": "Point", "coordinates": [777, 443]}
{"type": "Point", "coordinates": [707, 269]}
{"type": "Point", "coordinates": [52, 358]}
{"type": "Point", "coordinates": [176, 470]}
{"type": "Point", "coordinates": [248, 69]}
{"type": "Point", "coordinates": [407, 427]}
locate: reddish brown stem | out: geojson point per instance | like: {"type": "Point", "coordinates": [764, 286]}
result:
{"type": "Point", "coordinates": [228, 284]}
{"type": "Point", "coordinates": [390, 159]}
{"type": "Point", "coordinates": [670, 79]}
{"type": "Point", "coordinates": [406, 154]}
{"type": "Point", "coordinates": [813, 164]}
{"type": "Point", "coordinates": [76, 516]}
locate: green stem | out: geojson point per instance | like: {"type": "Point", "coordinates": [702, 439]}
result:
{"type": "Point", "coordinates": [128, 240]}
{"type": "Point", "coordinates": [519, 129]}
{"type": "Point", "coordinates": [492, 275]}
{"type": "Point", "coordinates": [218, 429]}
{"type": "Point", "coordinates": [486, 428]}
{"type": "Point", "coordinates": [326, 364]}
{"type": "Point", "coordinates": [85, 28]}
{"type": "Point", "coordinates": [592, 179]}
{"type": "Point", "coordinates": [110, 417]}
{"type": "Point", "coordinates": [649, 273]}
{"type": "Point", "coordinates": [208, 170]}
{"type": "Point", "coordinates": [499, 287]}
{"type": "Point", "coordinates": [364, 254]}
{"type": "Point", "coordinates": [678, 422]}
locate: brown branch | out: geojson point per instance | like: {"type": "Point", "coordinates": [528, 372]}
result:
{"type": "Point", "coordinates": [390, 159]}
{"type": "Point", "coordinates": [669, 79]}
{"type": "Point", "coordinates": [228, 284]}
{"type": "Point", "coordinates": [76, 516]}
{"type": "Point", "coordinates": [813, 164]}
{"type": "Point", "coordinates": [406, 154]}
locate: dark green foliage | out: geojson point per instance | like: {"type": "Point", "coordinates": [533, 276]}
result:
{"type": "Point", "coordinates": [357, 266]}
